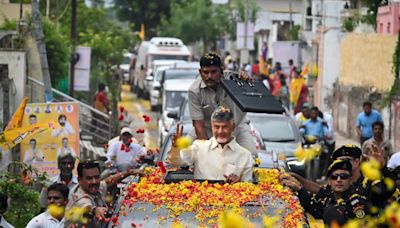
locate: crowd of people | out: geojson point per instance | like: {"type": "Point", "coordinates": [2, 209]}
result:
{"type": "Point", "coordinates": [223, 150]}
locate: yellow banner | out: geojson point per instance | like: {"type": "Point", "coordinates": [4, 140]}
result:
{"type": "Point", "coordinates": [16, 119]}
{"type": "Point", "coordinates": [42, 151]}
{"type": "Point", "coordinates": [10, 138]}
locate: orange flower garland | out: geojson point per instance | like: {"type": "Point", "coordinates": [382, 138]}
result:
{"type": "Point", "coordinates": [208, 201]}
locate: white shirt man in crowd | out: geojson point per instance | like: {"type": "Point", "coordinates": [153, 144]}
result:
{"type": "Point", "coordinates": [3, 209]}
{"type": "Point", "coordinates": [219, 158]}
{"type": "Point", "coordinates": [122, 154]}
{"type": "Point", "coordinates": [66, 165]}
{"type": "Point", "coordinates": [58, 196]}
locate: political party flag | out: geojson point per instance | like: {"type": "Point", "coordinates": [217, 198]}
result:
{"type": "Point", "coordinates": [16, 119]}
{"type": "Point", "coordinates": [10, 138]}
{"type": "Point", "coordinates": [306, 70]}
{"type": "Point", "coordinates": [141, 33]}
{"type": "Point", "coordinates": [295, 89]}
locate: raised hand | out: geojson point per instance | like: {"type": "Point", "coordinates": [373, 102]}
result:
{"type": "Point", "coordinates": [177, 134]}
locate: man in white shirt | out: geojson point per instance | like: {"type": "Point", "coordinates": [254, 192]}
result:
{"type": "Point", "coordinates": [65, 149]}
{"type": "Point", "coordinates": [33, 154]}
{"type": "Point", "coordinates": [66, 165]}
{"type": "Point", "coordinates": [219, 158]}
{"type": "Point", "coordinates": [3, 209]}
{"type": "Point", "coordinates": [122, 154]}
{"type": "Point", "coordinates": [58, 196]}
{"type": "Point", "coordinates": [66, 128]}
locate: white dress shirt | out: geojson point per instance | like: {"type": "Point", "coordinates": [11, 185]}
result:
{"type": "Point", "coordinates": [119, 157]}
{"type": "Point", "coordinates": [4, 223]}
{"type": "Point", "coordinates": [64, 131]}
{"type": "Point", "coordinates": [212, 161]}
{"type": "Point", "coordinates": [45, 220]}
{"type": "Point", "coordinates": [64, 151]}
{"type": "Point", "coordinates": [56, 179]}
{"type": "Point", "coordinates": [33, 156]}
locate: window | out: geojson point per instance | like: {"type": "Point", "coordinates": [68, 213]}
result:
{"type": "Point", "coordinates": [388, 28]}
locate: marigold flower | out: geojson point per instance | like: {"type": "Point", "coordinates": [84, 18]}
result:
{"type": "Point", "coordinates": [183, 142]}
{"type": "Point", "coordinates": [371, 169]}
{"type": "Point", "coordinates": [55, 211]}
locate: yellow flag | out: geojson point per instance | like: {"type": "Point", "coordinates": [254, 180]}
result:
{"type": "Point", "coordinates": [305, 70]}
{"type": "Point", "coordinates": [141, 33]}
{"type": "Point", "coordinates": [10, 138]}
{"type": "Point", "coordinates": [16, 119]}
{"type": "Point", "coordinates": [295, 89]}
{"type": "Point", "coordinates": [262, 66]}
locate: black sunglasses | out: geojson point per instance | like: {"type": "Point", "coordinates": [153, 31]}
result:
{"type": "Point", "coordinates": [343, 176]}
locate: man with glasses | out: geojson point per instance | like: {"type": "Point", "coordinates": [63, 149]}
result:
{"type": "Point", "coordinates": [341, 205]}
{"type": "Point", "coordinates": [66, 165]}
{"type": "Point", "coordinates": [57, 195]}
{"type": "Point", "coordinates": [90, 194]}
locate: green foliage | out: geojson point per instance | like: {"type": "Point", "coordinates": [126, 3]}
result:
{"type": "Point", "coordinates": [24, 200]}
{"type": "Point", "coordinates": [9, 25]}
{"type": "Point", "coordinates": [58, 51]}
{"type": "Point", "coordinates": [148, 12]}
{"type": "Point", "coordinates": [294, 33]}
{"type": "Point", "coordinates": [373, 6]}
{"type": "Point", "coordinates": [348, 24]}
{"type": "Point", "coordinates": [19, 1]}
{"type": "Point", "coordinates": [194, 20]}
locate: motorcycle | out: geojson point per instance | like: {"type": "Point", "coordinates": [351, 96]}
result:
{"type": "Point", "coordinates": [316, 151]}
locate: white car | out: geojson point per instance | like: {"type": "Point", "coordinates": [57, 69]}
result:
{"type": "Point", "coordinates": [174, 93]}
{"type": "Point", "coordinates": [125, 65]}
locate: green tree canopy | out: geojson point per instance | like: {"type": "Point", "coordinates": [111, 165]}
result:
{"type": "Point", "coordinates": [147, 12]}
{"type": "Point", "coordinates": [197, 20]}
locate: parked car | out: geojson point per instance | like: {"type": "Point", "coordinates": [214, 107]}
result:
{"type": "Point", "coordinates": [174, 92]}
{"type": "Point", "coordinates": [155, 89]}
{"type": "Point", "coordinates": [279, 134]}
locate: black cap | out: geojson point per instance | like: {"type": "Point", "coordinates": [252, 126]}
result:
{"type": "Point", "coordinates": [210, 59]}
{"type": "Point", "coordinates": [347, 150]}
{"type": "Point", "coordinates": [339, 164]}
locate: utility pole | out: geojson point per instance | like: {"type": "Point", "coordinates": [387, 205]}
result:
{"type": "Point", "coordinates": [5, 85]}
{"type": "Point", "coordinates": [290, 15]}
{"type": "Point", "coordinates": [48, 93]}
{"type": "Point", "coordinates": [244, 52]}
{"type": "Point", "coordinates": [73, 42]}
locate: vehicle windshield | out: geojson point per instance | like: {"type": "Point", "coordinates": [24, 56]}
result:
{"type": "Point", "coordinates": [158, 75]}
{"type": "Point", "coordinates": [167, 57]}
{"type": "Point", "coordinates": [274, 129]}
{"type": "Point", "coordinates": [126, 60]}
{"type": "Point", "coordinates": [181, 74]}
{"type": "Point", "coordinates": [174, 99]}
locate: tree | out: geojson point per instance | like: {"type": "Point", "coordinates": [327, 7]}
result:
{"type": "Point", "coordinates": [373, 6]}
{"type": "Point", "coordinates": [197, 20]}
{"type": "Point", "coordinates": [147, 12]}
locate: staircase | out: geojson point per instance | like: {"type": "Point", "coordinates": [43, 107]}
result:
{"type": "Point", "coordinates": [94, 126]}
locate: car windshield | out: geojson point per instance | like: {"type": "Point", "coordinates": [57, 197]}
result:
{"type": "Point", "coordinates": [159, 75]}
{"type": "Point", "coordinates": [274, 129]}
{"type": "Point", "coordinates": [174, 99]}
{"type": "Point", "coordinates": [181, 74]}
{"type": "Point", "coordinates": [126, 60]}
{"type": "Point", "coordinates": [185, 111]}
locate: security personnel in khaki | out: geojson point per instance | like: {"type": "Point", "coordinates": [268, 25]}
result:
{"type": "Point", "coordinates": [340, 205]}
{"type": "Point", "coordinates": [206, 94]}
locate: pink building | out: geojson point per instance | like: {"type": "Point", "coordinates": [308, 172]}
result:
{"type": "Point", "coordinates": [387, 20]}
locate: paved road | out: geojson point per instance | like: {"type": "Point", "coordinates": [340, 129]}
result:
{"type": "Point", "coordinates": [137, 108]}
{"type": "Point", "coordinates": [344, 140]}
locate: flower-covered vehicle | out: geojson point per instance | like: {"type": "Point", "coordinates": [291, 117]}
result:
{"type": "Point", "coordinates": [165, 199]}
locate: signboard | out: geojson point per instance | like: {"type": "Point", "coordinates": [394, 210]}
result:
{"type": "Point", "coordinates": [245, 37]}
{"type": "Point", "coordinates": [82, 69]}
{"type": "Point", "coordinates": [42, 151]}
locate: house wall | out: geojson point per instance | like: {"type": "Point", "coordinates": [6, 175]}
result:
{"type": "Point", "coordinates": [366, 60]}
{"type": "Point", "coordinates": [387, 20]}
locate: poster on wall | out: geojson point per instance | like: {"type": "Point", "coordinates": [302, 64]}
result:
{"type": "Point", "coordinates": [42, 151]}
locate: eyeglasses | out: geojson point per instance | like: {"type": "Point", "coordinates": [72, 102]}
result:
{"type": "Point", "coordinates": [343, 176]}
